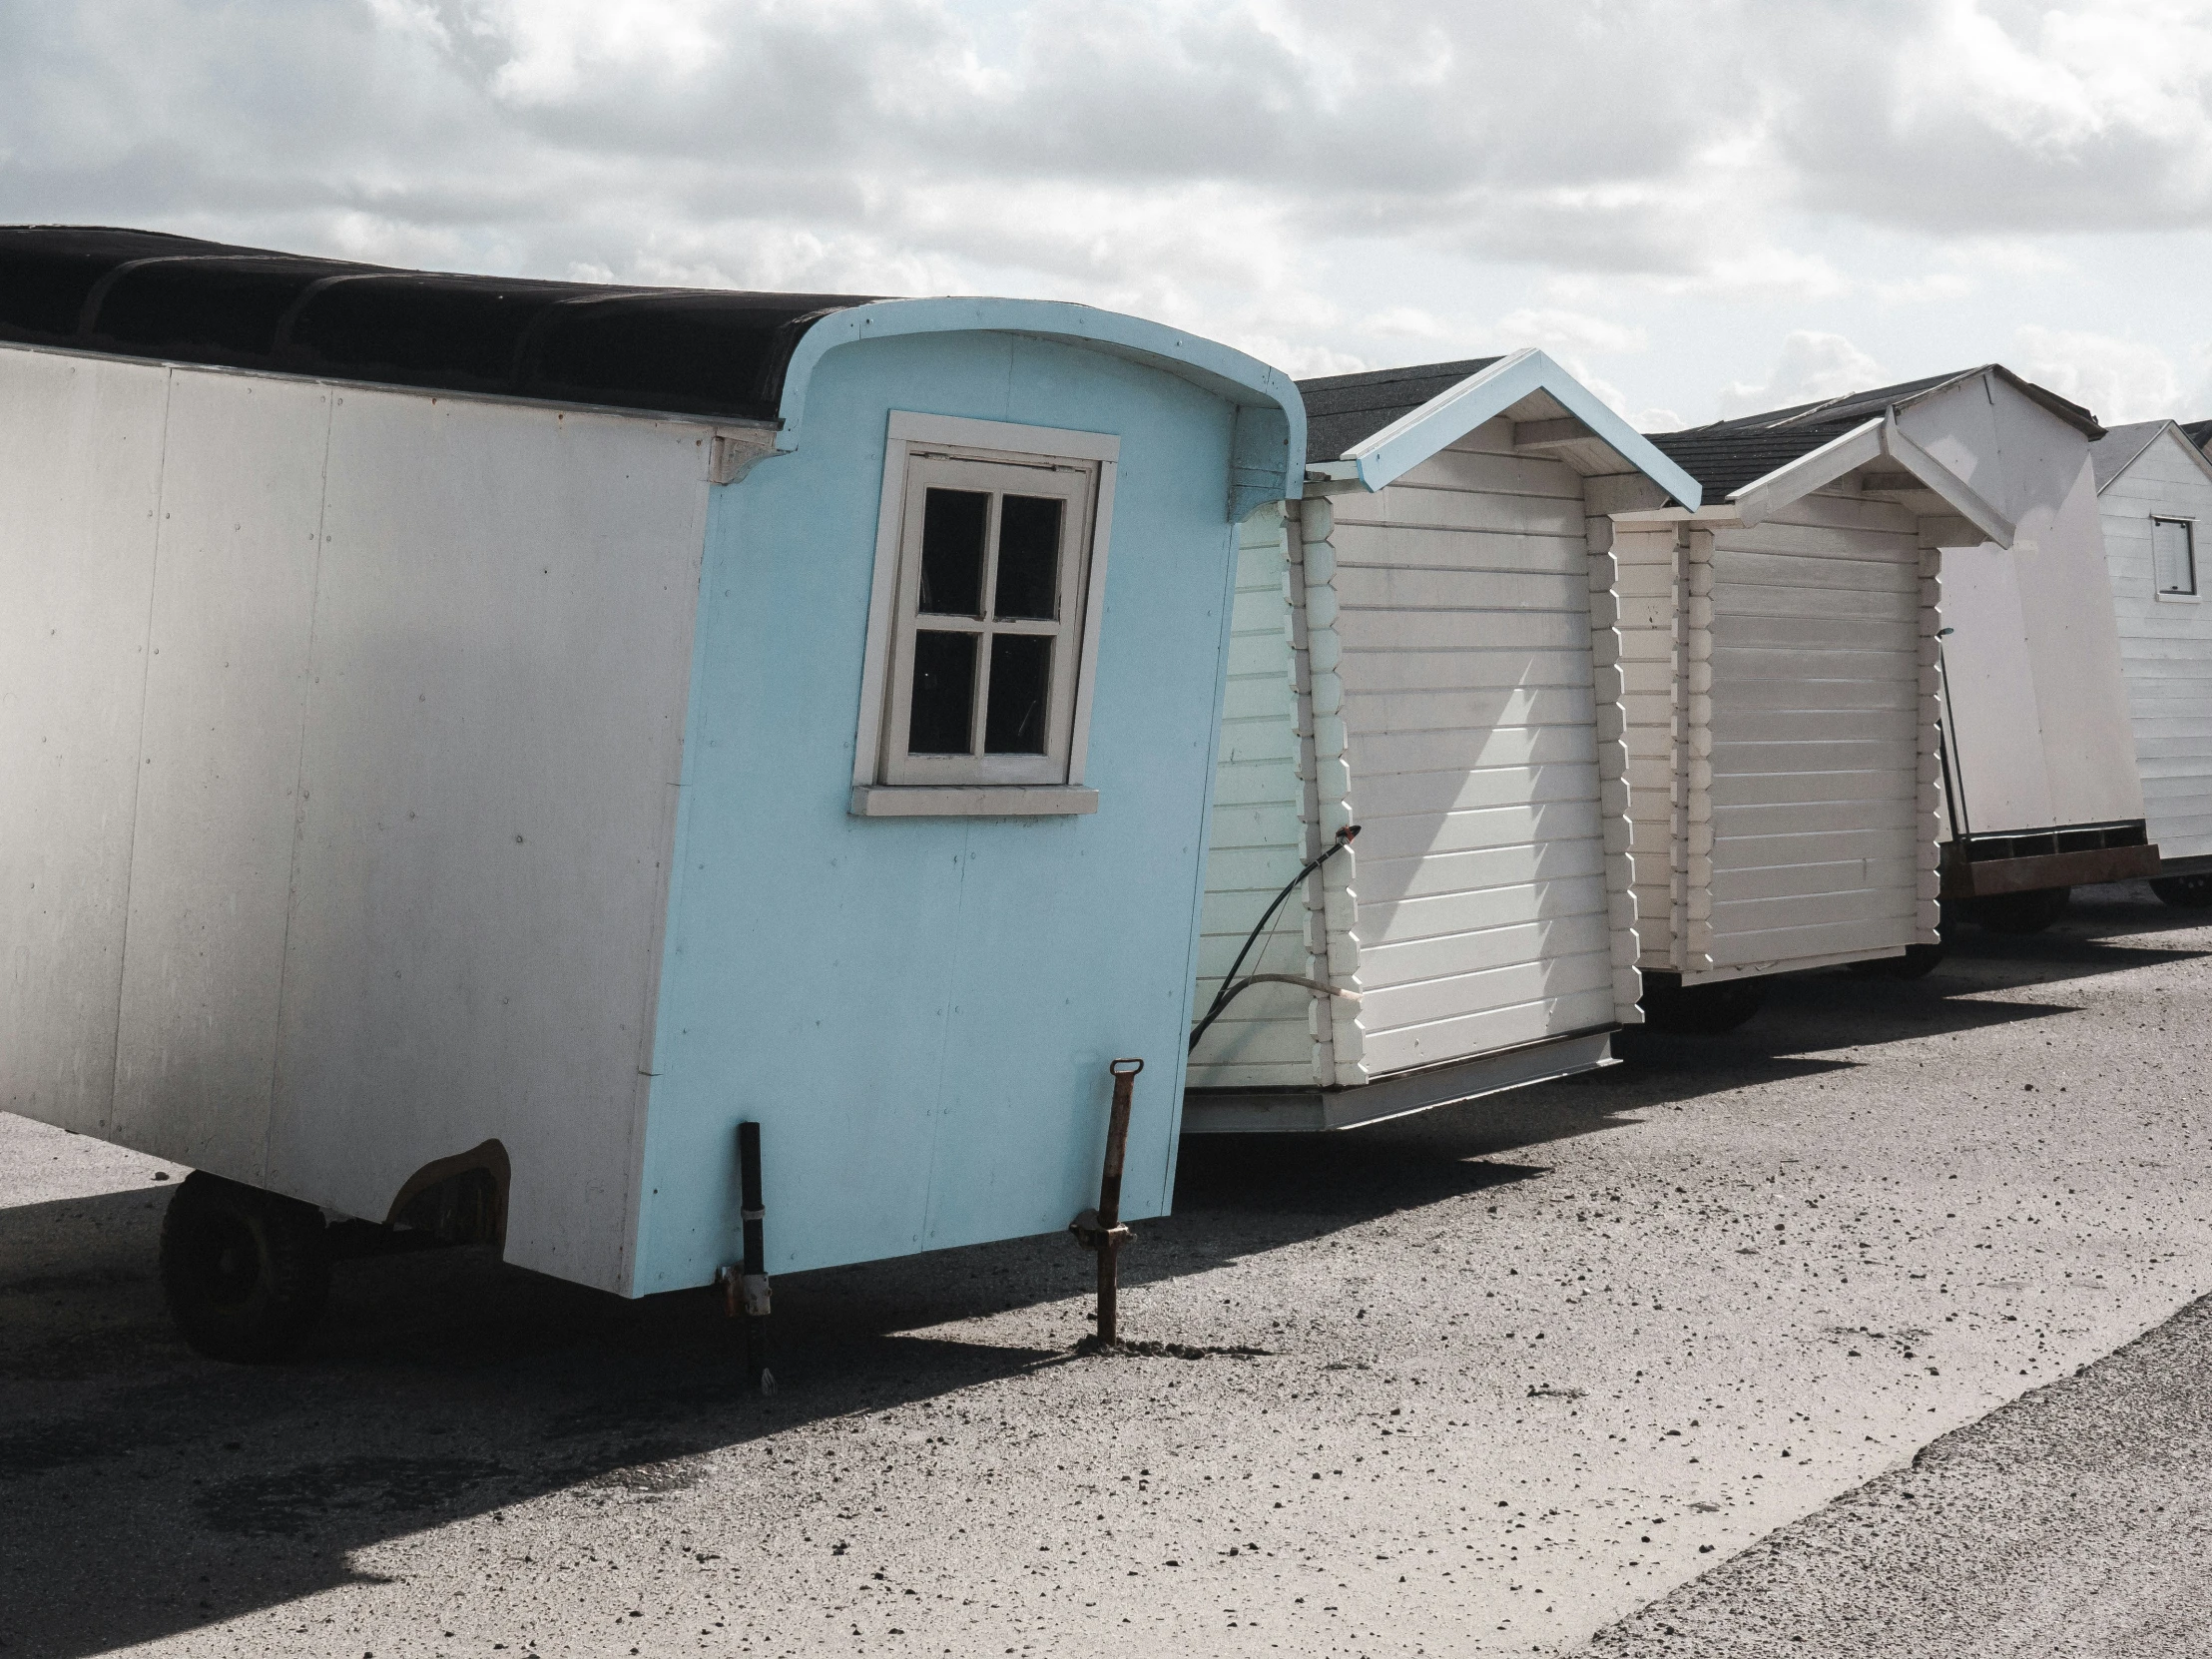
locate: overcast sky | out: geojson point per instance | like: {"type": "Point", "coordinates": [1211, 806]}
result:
{"type": "Point", "coordinates": [1704, 206]}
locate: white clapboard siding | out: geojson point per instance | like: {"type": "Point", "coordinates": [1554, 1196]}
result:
{"type": "Point", "coordinates": [2165, 643]}
{"type": "Point", "coordinates": [1811, 775]}
{"type": "Point", "coordinates": [1258, 836]}
{"type": "Point", "coordinates": [1464, 615]}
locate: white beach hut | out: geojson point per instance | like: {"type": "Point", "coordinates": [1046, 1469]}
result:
{"type": "Point", "coordinates": [1425, 646]}
{"type": "Point", "coordinates": [1782, 648]}
{"type": "Point", "coordinates": [2154, 496]}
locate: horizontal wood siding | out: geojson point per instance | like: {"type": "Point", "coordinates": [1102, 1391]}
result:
{"type": "Point", "coordinates": [2166, 644]}
{"type": "Point", "coordinates": [1258, 831]}
{"type": "Point", "coordinates": [1470, 717]}
{"type": "Point", "coordinates": [1809, 763]}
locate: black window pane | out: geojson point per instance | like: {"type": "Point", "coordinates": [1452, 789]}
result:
{"type": "Point", "coordinates": [943, 713]}
{"type": "Point", "coordinates": [1028, 557]}
{"type": "Point", "coordinates": [1021, 682]}
{"type": "Point", "coordinates": [952, 551]}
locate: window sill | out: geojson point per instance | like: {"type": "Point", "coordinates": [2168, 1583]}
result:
{"type": "Point", "coordinates": [972, 800]}
{"type": "Point", "coordinates": [2178, 598]}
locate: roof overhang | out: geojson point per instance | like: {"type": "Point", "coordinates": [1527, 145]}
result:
{"type": "Point", "coordinates": [1413, 438]}
{"type": "Point", "coordinates": [1270, 431]}
{"type": "Point", "coordinates": [1874, 440]}
{"type": "Point", "coordinates": [2170, 428]}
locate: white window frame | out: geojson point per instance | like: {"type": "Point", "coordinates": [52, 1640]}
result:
{"type": "Point", "coordinates": [886, 783]}
{"type": "Point", "coordinates": [2194, 591]}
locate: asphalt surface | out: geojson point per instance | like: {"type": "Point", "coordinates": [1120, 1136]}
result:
{"type": "Point", "coordinates": [1522, 1369]}
{"type": "Point", "coordinates": [2074, 1522]}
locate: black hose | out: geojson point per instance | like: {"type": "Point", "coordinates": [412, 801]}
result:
{"type": "Point", "coordinates": [1231, 986]}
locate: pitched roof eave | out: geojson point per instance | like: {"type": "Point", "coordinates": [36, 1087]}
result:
{"type": "Point", "coordinates": [1389, 454]}
{"type": "Point", "coordinates": [1870, 440]}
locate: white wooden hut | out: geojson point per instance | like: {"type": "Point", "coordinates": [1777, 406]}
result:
{"type": "Point", "coordinates": [2154, 495]}
{"type": "Point", "coordinates": [1426, 647]}
{"type": "Point", "coordinates": [1781, 650]}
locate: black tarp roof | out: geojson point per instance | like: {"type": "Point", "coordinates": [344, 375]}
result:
{"type": "Point", "coordinates": [143, 294]}
{"type": "Point", "coordinates": [1725, 455]}
{"type": "Point", "coordinates": [1342, 410]}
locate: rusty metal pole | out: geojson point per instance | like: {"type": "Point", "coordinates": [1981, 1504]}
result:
{"type": "Point", "coordinates": [744, 1285]}
{"type": "Point", "coordinates": [1111, 1233]}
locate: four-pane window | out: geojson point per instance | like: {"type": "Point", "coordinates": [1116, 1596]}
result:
{"type": "Point", "coordinates": [992, 557]}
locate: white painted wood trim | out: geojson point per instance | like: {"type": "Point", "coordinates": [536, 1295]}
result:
{"type": "Point", "coordinates": [1094, 613]}
{"type": "Point", "coordinates": [1314, 935]}
{"type": "Point", "coordinates": [1608, 695]}
{"type": "Point", "coordinates": [1333, 899]}
{"type": "Point", "coordinates": [882, 614]}
{"type": "Point", "coordinates": [1929, 794]}
{"type": "Point", "coordinates": [1003, 438]}
{"type": "Point", "coordinates": [1945, 483]}
{"type": "Point", "coordinates": [1763, 497]}
{"type": "Point", "coordinates": [970, 799]}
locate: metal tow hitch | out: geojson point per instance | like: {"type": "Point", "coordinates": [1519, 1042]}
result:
{"type": "Point", "coordinates": [1101, 1230]}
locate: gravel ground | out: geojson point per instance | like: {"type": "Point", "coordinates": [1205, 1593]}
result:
{"type": "Point", "coordinates": [2074, 1522]}
{"type": "Point", "coordinates": [1524, 1367]}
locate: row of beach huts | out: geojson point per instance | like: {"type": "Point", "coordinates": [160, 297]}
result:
{"type": "Point", "coordinates": [469, 745]}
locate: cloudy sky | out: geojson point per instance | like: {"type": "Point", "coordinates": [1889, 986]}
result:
{"type": "Point", "coordinates": [1705, 207]}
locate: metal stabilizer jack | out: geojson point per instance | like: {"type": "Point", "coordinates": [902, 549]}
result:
{"type": "Point", "coordinates": [745, 1287]}
{"type": "Point", "coordinates": [1100, 1230]}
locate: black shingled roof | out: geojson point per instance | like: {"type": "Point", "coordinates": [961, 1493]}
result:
{"type": "Point", "coordinates": [1725, 455]}
{"type": "Point", "coordinates": [2198, 432]}
{"type": "Point", "coordinates": [1342, 410]}
{"type": "Point", "coordinates": [142, 294]}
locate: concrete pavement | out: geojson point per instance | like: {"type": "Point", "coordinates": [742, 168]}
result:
{"type": "Point", "coordinates": [1528, 1366]}
{"type": "Point", "coordinates": [2075, 1523]}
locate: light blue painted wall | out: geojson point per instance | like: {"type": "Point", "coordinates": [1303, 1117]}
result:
{"type": "Point", "coordinates": [920, 1012]}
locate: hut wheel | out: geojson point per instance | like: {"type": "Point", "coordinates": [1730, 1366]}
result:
{"type": "Point", "coordinates": [245, 1272]}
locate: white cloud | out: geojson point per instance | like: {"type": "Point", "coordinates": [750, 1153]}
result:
{"type": "Point", "coordinates": [1444, 180]}
{"type": "Point", "coordinates": [2117, 380]}
{"type": "Point", "coordinates": [1809, 367]}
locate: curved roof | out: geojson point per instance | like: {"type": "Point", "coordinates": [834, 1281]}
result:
{"type": "Point", "coordinates": [723, 354]}
{"type": "Point", "coordinates": [141, 293]}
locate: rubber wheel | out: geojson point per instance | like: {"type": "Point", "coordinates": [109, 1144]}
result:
{"type": "Point", "coordinates": [2022, 912]}
{"type": "Point", "coordinates": [2183, 892]}
{"type": "Point", "coordinates": [1917, 963]}
{"type": "Point", "coordinates": [1703, 1010]}
{"type": "Point", "coordinates": [246, 1272]}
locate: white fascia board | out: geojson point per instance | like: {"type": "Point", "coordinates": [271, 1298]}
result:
{"type": "Point", "coordinates": [1763, 497]}
{"type": "Point", "coordinates": [1451, 415]}
{"type": "Point", "coordinates": [1872, 440]}
{"type": "Point", "coordinates": [1269, 445]}
{"type": "Point", "coordinates": [1945, 483]}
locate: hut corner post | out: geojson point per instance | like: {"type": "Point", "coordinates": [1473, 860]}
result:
{"type": "Point", "coordinates": [744, 1285]}
{"type": "Point", "coordinates": [1101, 1230]}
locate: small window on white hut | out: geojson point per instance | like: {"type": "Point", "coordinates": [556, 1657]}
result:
{"type": "Point", "coordinates": [982, 633]}
{"type": "Point", "coordinates": [2174, 556]}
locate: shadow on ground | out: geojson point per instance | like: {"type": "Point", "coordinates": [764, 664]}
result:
{"type": "Point", "coordinates": [149, 1492]}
